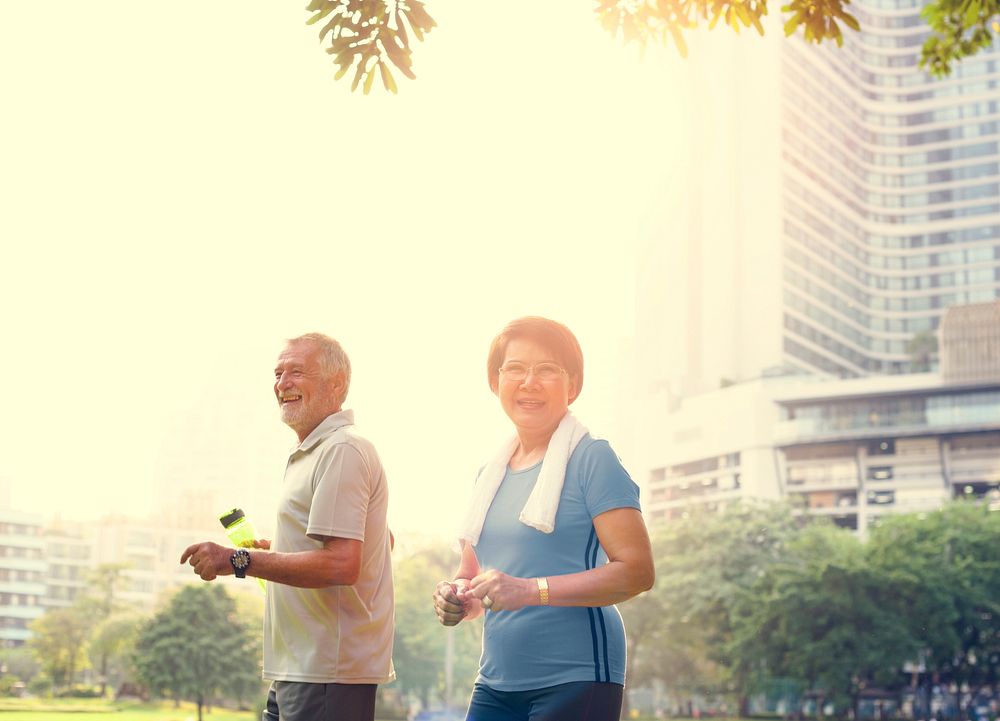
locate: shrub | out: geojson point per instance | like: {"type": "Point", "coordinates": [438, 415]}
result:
{"type": "Point", "coordinates": [79, 692]}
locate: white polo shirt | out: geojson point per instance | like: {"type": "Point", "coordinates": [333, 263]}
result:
{"type": "Point", "coordinates": [334, 487]}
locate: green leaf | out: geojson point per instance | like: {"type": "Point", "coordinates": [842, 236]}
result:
{"type": "Point", "coordinates": [835, 33]}
{"type": "Point", "coordinates": [971, 13]}
{"type": "Point", "coordinates": [850, 21]}
{"type": "Point", "coordinates": [679, 40]}
{"type": "Point", "coordinates": [334, 21]}
{"type": "Point", "coordinates": [357, 75]}
{"type": "Point", "coordinates": [715, 17]}
{"type": "Point", "coordinates": [344, 42]}
{"type": "Point", "coordinates": [387, 79]}
{"type": "Point", "coordinates": [418, 17]}
{"type": "Point", "coordinates": [743, 14]}
{"type": "Point", "coordinates": [399, 57]}
{"type": "Point", "coordinates": [330, 7]}
{"type": "Point", "coordinates": [401, 31]}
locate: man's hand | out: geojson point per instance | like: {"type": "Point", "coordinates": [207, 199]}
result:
{"type": "Point", "coordinates": [451, 604]}
{"type": "Point", "coordinates": [209, 559]}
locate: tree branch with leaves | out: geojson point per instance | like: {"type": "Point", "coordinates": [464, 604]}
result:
{"type": "Point", "coordinates": [372, 36]}
{"type": "Point", "coordinates": [369, 35]}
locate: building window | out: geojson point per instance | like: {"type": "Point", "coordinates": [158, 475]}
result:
{"type": "Point", "coordinates": [882, 448]}
{"type": "Point", "coordinates": [847, 499]}
{"type": "Point", "coordinates": [880, 473]}
{"type": "Point", "coordinates": [849, 521]}
{"type": "Point", "coordinates": [881, 498]}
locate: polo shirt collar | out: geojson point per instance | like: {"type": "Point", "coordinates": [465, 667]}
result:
{"type": "Point", "coordinates": [327, 427]}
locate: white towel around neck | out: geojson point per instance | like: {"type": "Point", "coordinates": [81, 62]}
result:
{"type": "Point", "coordinates": [540, 509]}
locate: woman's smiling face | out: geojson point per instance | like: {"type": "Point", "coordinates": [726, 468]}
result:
{"type": "Point", "coordinates": [534, 404]}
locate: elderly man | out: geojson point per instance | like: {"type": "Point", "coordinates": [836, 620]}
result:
{"type": "Point", "coordinates": [328, 622]}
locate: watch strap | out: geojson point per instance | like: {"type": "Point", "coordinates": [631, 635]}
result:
{"type": "Point", "coordinates": [543, 591]}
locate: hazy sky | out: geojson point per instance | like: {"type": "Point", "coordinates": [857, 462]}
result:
{"type": "Point", "coordinates": [184, 187]}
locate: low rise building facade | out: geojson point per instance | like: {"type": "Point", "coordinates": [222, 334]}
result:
{"type": "Point", "coordinates": [22, 575]}
{"type": "Point", "coordinates": [852, 450]}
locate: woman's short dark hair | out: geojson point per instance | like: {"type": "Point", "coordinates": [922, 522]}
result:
{"type": "Point", "coordinates": [551, 335]}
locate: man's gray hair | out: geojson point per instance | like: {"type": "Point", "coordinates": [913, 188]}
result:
{"type": "Point", "coordinates": [332, 355]}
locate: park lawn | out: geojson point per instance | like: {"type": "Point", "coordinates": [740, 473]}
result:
{"type": "Point", "coordinates": [15, 709]}
{"type": "Point", "coordinates": [137, 714]}
{"type": "Point", "coordinates": [100, 710]}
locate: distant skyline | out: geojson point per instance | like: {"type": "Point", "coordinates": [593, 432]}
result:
{"type": "Point", "coordinates": [184, 190]}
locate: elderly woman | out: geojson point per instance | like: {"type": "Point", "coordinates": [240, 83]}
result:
{"type": "Point", "coordinates": [552, 540]}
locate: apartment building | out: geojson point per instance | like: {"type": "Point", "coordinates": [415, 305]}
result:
{"type": "Point", "coordinates": [22, 575]}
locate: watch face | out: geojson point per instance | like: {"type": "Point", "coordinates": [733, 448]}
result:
{"type": "Point", "coordinates": [240, 561]}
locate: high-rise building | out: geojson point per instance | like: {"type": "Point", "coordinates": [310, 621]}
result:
{"type": "Point", "coordinates": [829, 205]}
{"type": "Point", "coordinates": [970, 342]}
{"type": "Point", "coordinates": [837, 203]}
{"type": "Point", "coordinates": [891, 193]}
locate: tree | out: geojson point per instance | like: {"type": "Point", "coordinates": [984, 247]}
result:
{"type": "Point", "coordinates": [945, 570]}
{"type": "Point", "coordinates": [248, 689]}
{"type": "Point", "coordinates": [61, 636]}
{"type": "Point", "coordinates": [101, 603]}
{"type": "Point", "coordinates": [59, 640]}
{"type": "Point", "coordinates": [661, 643]}
{"type": "Point", "coordinates": [113, 642]}
{"type": "Point", "coordinates": [19, 661]}
{"type": "Point", "coordinates": [823, 617]}
{"type": "Point", "coordinates": [961, 29]}
{"type": "Point", "coordinates": [704, 563]}
{"type": "Point", "coordinates": [196, 647]}
{"type": "Point", "coordinates": [922, 349]}
{"type": "Point", "coordinates": [420, 644]}
{"type": "Point", "coordinates": [368, 35]}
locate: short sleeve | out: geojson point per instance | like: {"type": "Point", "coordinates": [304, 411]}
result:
{"type": "Point", "coordinates": [605, 483]}
{"type": "Point", "coordinates": [341, 494]}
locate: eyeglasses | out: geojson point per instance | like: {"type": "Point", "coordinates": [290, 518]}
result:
{"type": "Point", "coordinates": [543, 371]}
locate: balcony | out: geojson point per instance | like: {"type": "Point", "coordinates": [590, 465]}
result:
{"type": "Point", "coordinates": [876, 417]}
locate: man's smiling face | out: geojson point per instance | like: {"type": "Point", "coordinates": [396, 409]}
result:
{"type": "Point", "coordinates": [306, 391]}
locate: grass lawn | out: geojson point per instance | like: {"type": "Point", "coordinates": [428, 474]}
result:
{"type": "Point", "coordinates": [40, 709]}
{"type": "Point", "coordinates": [99, 710]}
{"type": "Point", "coordinates": [37, 709]}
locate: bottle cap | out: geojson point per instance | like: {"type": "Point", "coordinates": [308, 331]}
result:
{"type": "Point", "coordinates": [228, 519]}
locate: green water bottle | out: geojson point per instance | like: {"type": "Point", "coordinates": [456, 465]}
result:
{"type": "Point", "coordinates": [240, 532]}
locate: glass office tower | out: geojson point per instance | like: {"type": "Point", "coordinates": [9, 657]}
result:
{"type": "Point", "coordinates": [891, 193]}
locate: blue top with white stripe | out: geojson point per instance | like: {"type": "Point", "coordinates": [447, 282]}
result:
{"type": "Point", "coordinates": [540, 646]}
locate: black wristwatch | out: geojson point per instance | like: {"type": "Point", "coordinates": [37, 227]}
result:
{"type": "Point", "coordinates": [241, 562]}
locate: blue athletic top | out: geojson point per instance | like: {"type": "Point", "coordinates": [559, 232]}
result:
{"type": "Point", "coordinates": [540, 646]}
